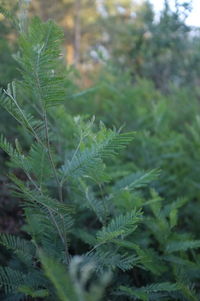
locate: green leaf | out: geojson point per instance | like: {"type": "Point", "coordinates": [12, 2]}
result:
{"type": "Point", "coordinates": [119, 226]}
{"type": "Point", "coordinates": [59, 277]}
{"type": "Point", "coordinates": [86, 162]}
{"type": "Point", "coordinates": [137, 180]}
{"type": "Point", "coordinates": [145, 292]}
{"type": "Point", "coordinates": [28, 291]}
{"type": "Point", "coordinates": [178, 246]}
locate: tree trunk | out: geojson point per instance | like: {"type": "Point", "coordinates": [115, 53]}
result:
{"type": "Point", "coordinates": [77, 32]}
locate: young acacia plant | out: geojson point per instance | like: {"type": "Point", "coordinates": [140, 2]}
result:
{"type": "Point", "coordinates": [81, 238]}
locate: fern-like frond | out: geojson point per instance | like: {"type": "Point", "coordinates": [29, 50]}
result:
{"type": "Point", "coordinates": [17, 244]}
{"type": "Point", "coordinates": [120, 226]}
{"type": "Point", "coordinates": [59, 277]}
{"type": "Point", "coordinates": [39, 163]}
{"type": "Point", "coordinates": [96, 205]}
{"type": "Point", "coordinates": [11, 279]}
{"type": "Point", "coordinates": [110, 259]}
{"type": "Point", "coordinates": [178, 246]}
{"type": "Point", "coordinates": [181, 262]}
{"type": "Point", "coordinates": [35, 196]}
{"type": "Point", "coordinates": [86, 161]}
{"type": "Point", "coordinates": [127, 262]}
{"type": "Point", "coordinates": [40, 61]}
{"type": "Point", "coordinates": [149, 259]}
{"type": "Point", "coordinates": [137, 180]}
{"type": "Point", "coordinates": [8, 100]}
{"type": "Point", "coordinates": [7, 147]}
{"type": "Point", "coordinates": [144, 293]}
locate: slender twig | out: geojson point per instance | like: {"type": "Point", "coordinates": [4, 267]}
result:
{"type": "Point", "coordinates": [62, 236]}
{"type": "Point", "coordinates": [24, 117]}
{"type": "Point", "coordinates": [104, 204]}
{"type": "Point", "coordinates": [94, 248]}
{"type": "Point", "coordinates": [57, 181]}
{"type": "Point", "coordinates": [51, 159]}
{"type": "Point", "coordinates": [77, 149]}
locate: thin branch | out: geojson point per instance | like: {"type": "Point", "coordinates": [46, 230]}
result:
{"type": "Point", "coordinates": [50, 157]}
{"type": "Point", "coordinates": [24, 117]}
{"type": "Point", "coordinates": [57, 180]}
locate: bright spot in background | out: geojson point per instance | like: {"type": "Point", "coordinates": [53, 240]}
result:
{"type": "Point", "coordinates": [194, 17]}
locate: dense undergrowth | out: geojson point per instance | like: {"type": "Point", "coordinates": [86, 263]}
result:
{"type": "Point", "coordinates": [100, 221]}
{"type": "Point", "coordinates": [167, 131]}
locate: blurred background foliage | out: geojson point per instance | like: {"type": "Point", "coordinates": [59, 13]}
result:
{"type": "Point", "coordinates": [128, 33]}
{"type": "Point", "coordinates": [129, 68]}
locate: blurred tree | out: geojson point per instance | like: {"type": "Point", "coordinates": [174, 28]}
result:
{"type": "Point", "coordinates": [163, 50]}
{"type": "Point", "coordinates": [78, 19]}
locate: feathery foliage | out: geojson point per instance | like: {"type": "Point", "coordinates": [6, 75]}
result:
{"type": "Point", "coordinates": [76, 203]}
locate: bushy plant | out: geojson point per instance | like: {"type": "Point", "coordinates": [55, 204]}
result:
{"type": "Point", "coordinates": [167, 131]}
{"type": "Point", "coordinates": [91, 230]}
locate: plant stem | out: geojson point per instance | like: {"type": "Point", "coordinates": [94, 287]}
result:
{"type": "Point", "coordinates": [51, 159]}
{"type": "Point", "coordinates": [64, 240]}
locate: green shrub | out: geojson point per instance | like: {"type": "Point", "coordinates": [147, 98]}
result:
{"type": "Point", "coordinates": [167, 131]}
{"type": "Point", "coordinates": [86, 220]}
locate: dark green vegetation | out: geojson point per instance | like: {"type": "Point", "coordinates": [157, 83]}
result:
{"type": "Point", "coordinates": [108, 213]}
